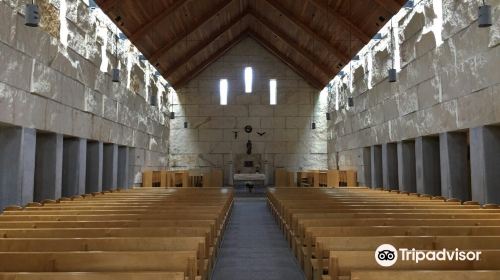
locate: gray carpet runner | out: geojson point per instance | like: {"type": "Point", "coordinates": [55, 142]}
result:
{"type": "Point", "coordinates": [254, 247]}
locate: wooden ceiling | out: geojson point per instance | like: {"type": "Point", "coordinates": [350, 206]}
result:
{"type": "Point", "coordinates": [315, 38]}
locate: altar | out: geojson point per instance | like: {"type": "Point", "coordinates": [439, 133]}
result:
{"type": "Point", "coordinates": [249, 177]}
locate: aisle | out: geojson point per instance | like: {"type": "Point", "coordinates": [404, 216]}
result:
{"type": "Point", "coordinates": [253, 247]}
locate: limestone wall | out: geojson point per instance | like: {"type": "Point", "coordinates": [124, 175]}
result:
{"type": "Point", "coordinates": [448, 80]}
{"type": "Point", "coordinates": [56, 78]}
{"type": "Point", "coordinates": [209, 139]}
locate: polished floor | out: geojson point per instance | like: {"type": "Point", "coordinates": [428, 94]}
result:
{"type": "Point", "coordinates": [254, 247]}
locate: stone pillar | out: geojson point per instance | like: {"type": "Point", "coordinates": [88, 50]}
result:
{"type": "Point", "coordinates": [110, 167]}
{"type": "Point", "coordinates": [367, 167]}
{"type": "Point", "coordinates": [376, 166]}
{"type": "Point", "coordinates": [17, 165]}
{"type": "Point", "coordinates": [455, 172]}
{"type": "Point", "coordinates": [390, 166]}
{"type": "Point", "coordinates": [485, 164]}
{"type": "Point", "coordinates": [123, 167]}
{"type": "Point", "coordinates": [48, 166]}
{"type": "Point", "coordinates": [93, 180]}
{"type": "Point", "coordinates": [74, 166]}
{"type": "Point", "coordinates": [131, 167]}
{"type": "Point", "coordinates": [406, 166]}
{"type": "Point", "coordinates": [428, 171]}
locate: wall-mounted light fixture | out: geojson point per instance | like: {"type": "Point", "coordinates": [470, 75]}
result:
{"type": "Point", "coordinates": [153, 100]}
{"type": "Point", "coordinates": [484, 19]}
{"type": "Point", "coordinates": [92, 5]}
{"type": "Point", "coordinates": [393, 76]}
{"type": "Point", "coordinates": [185, 124]}
{"type": "Point", "coordinates": [328, 116]}
{"type": "Point", "coordinates": [32, 15]}
{"type": "Point", "coordinates": [350, 101]}
{"type": "Point", "coordinates": [115, 73]}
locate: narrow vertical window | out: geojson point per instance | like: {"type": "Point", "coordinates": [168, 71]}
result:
{"type": "Point", "coordinates": [272, 92]}
{"type": "Point", "coordinates": [248, 79]}
{"type": "Point", "coordinates": [223, 91]}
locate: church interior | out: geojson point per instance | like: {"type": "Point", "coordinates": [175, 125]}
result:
{"type": "Point", "coordinates": [249, 139]}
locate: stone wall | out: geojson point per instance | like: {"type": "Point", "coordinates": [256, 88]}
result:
{"type": "Point", "coordinates": [447, 80]}
{"type": "Point", "coordinates": [56, 78]}
{"type": "Point", "coordinates": [209, 140]}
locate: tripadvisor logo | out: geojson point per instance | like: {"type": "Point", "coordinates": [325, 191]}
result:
{"type": "Point", "coordinates": [387, 255]}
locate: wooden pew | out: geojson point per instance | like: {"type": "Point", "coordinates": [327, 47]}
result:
{"type": "Point", "coordinates": [181, 261]}
{"type": "Point", "coordinates": [370, 243]}
{"type": "Point", "coordinates": [342, 263]}
{"type": "Point", "coordinates": [91, 275]}
{"type": "Point", "coordinates": [348, 224]}
{"type": "Point", "coordinates": [59, 235]}
{"type": "Point", "coordinates": [425, 274]}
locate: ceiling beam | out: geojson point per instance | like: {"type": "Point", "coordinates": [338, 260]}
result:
{"type": "Point", "coordinates": [295, 67]}
{"type": "Point", "coordinates": [143, 29]}
{"type": "Point", "coordinates": [158, 53]}
{"type": "Point", "coordinates": [389, 5]}
{"type": "Point", "coordinates": [317, 62]}
{"type": "Point", "coordinates": [356, 31]}
{"type": "Point", "coordinates": [106, 5]}
{"type": "Point", "coordinates": [211, 59]}
{"type": "Point", "coordinates": [344, 58]}
{"type": "Point", "coordinates": [202, 45]}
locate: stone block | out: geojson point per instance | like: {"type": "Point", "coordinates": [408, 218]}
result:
{"type": "Point", "coordinates": [286, 110]}
{"type": "Point", "coordinates": [58, 118]}
{"type": "Point", "coordinates": [235, 111]}
{"type": "Point", "coordinates": [317, 147]}
{"type": "Point", "coordinates": [278, 122]}
{"type": "Point", "coordinates": [7, 23]}
{"type": "Point", "coordinates": [407, 102]}
{"type": "Point", "coordinates": [441, 117]}
{"type": "Point", "coordinates": [220, 148]}
{"type": "Point", "coordinates": [298, 122]}
{"type": "Point", "coordinates": [34, 42]}
{"type": "Point", "coordinates": [476, 109]}
{"type": "Point", "coordinates": [109, 108]}
{"type": "Point", "coordinates": [390, 109]}
{"type": "Point", "coordinates": [210, 110]}
{"type": "Point", "coordinates": [278, 147]}
{"type": "Point", "coordinates": [16, 69]}
{"type": "Point", "coordinates": [82, 124]}
{"type": "Point", "coordinates": [261, 111]}
{"type": "Point", "coordinates": [241, 122]}
{"type": "Point", "coordinates": [290, 134]}
{"type": "Point", "coordinates": [93, 101]}
{"type": "Point", "coordinates": [7, 95]}
{"type": "Point", "coordinates": [428, 93]}
{"type": "Point", "coordinates": [211, 135]}
{"type": "Point", "coordinates": [180, 135]}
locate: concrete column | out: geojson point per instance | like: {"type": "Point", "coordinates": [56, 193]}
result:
{"type": "Point", "coordinates": [17, 165]}
{"type": "Point", "coordinates": [427, 164]}
{"type": "Point", "coordinates": [74, 166]}
{"type": "Point", "coordinates": [48, 166]}
{"type": "Point", "coordinates": [93, 180]}
{"type": "Point", "coordinates": [406, 166]}
{"type": "Point", "coordinates": [367, 167]}
{"type": "Point", "coordinates": [455, 172]}
{"type": "Point", "coordinates": [110, 167]}
{"type": "Point", "coordinates": [131, 166]}
{"type": "Point", "coordinates": [123, 167]}
{"type": "Point", "coordinates": [485, 164]}
{"type": "Point", "coordinates": [390, 166]}
{"type": "Point", "coordinates": [376, 166]}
